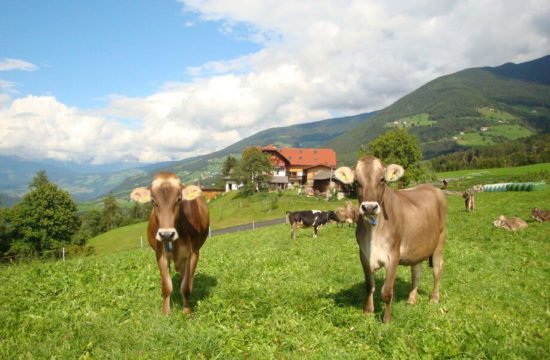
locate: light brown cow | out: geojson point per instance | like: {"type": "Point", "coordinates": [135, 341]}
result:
{"type": "Point", "coordinates": [510, 223]}
{"type": "Point", "coordinates": [177, 229]}
{"type": "Point", "coordinates": [347, 214]}
{"type": "Point", "coordinates": [402, 227]}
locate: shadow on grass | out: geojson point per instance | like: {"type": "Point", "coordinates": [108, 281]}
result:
{"type": "Point", "coordinates": [202, 284]}
{"type": "Point", "coordinates": [355, 295]}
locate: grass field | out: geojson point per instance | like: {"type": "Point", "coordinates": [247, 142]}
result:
{"type": "Point", "coordinates": [260, 295]}
{"type": "Point", "coordinates": [491, 136]}
{"type": "Point", "coordinates": [415, 120]}
{"type": "Point", "coordinates": [227, 210]}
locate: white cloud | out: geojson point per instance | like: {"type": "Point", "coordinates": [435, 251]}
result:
{"type": "Point", "coordinates": [7, 64]}
{"type": "Point", "coordinates": [318, 59]}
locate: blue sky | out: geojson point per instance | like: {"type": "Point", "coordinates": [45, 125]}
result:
{"type": "Point", "coordinates": [86, 50]}
{"type": "Point", "coordinates": [109, 81]}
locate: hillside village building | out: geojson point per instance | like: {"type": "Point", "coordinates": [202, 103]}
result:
{"type": "Point", "coordinates": [299, 166]}
{"type": "Point", "coordinates": [310, 168]}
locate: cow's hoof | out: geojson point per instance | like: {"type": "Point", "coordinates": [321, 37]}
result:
{"type": "Point", "coordinates": [435, 298]}
{"type": "Point", "coordinates": [187, 311]}
{"type": "Point", "coordinates": [412, 300]}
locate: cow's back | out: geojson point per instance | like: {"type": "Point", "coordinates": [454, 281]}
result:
{"type": "Point", "coordinates": [420, 219]}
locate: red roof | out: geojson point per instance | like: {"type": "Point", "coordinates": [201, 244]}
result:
{"type": "Point", "coordinates": [305, 157]}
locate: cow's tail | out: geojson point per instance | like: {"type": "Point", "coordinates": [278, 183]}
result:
{"type": "Point", "coordinates": [431, 261]}
{"type": "Point", "coordinates": [287, 217]}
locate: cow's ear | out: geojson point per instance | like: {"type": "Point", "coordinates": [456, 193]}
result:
{"type": "Point", "coordinates": [393, 172]}
{"type": "Point", "coordinates": [141, 195]}
{"type": "Point", "coordinates": [190, 192]}
{"type": "Point", "coordinates": [344, 174]}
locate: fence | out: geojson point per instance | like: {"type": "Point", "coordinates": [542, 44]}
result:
{"type": "Point", "coordinates": [63, 253]}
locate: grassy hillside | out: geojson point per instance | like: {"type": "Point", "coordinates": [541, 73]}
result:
{"type": "Point", "coordinates": [260, 295]}
{"type": "Point", "coordinates": [451, 110]}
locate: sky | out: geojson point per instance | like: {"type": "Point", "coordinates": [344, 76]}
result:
{"type": "Point", "coordinates": [107, 81]}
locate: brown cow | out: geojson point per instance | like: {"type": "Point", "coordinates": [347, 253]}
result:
{"type": "Point", "coordinates": [178, 227]}
{"type": "Point", "coordinates": [396, 227]}
{"type": "Point", "coordinates": [540, 215]}
{"type": "Point", "coordinates": [469, 201]}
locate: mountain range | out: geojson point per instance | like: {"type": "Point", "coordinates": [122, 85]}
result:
{"type": "Point", "coordinates": [473, 107]}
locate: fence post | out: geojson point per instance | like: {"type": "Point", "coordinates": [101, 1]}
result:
{"type": "Point", "coordinates": [253, 227]}
{"type": "Point", "coordinates": [63, 251]}
{"type": "Point", "coordinates": [141, 241]}
{"type": "Point", "coordinates": [209, 232]}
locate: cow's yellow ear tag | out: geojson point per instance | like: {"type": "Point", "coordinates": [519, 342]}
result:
{"type": "Point", "coordinates": [344, 174]}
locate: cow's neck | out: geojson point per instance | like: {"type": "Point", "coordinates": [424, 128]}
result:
{"type": "Point", "coordinates": [386, 200]}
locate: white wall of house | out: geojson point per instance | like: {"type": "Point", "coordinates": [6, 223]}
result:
{"type": "Point", "coordinates": [279, 172]}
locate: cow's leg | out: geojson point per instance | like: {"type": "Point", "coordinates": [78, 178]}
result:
{"type": "Point", "coordinates": [315, 232]}
{"type": "Point", "coordinates": [368, 306]}
{"type": "Point", "coordinates": [437, 262]}
{"type": "Point", "coordinates": [187, 275]}
{"type": "Point", "coordinates": [387, 289]}
{"type": "Point", "coordinates": [293, 231]}
{"type": "Point", "coordinates": [415, 279]}
{"type": "Point", "coordinates": [361, 234]}
{"type": "Point", "coordinates": [165, 279]}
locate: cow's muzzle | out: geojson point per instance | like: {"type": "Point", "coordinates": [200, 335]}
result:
{"type": "Point", "coordinates": [167, 234]}
{"type": "Point", "coordinates": [369, 208]}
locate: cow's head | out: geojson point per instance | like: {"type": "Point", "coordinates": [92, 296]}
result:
{"type": "Point", "coordinates": [370, 176]}
{"type": "Point", "coordinates": [332, 216]}
{"type": "Point", "coordinates": [166, 193]}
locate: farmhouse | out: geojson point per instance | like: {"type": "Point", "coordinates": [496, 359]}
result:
{"type": "Point", "coordinates": [298, 166]}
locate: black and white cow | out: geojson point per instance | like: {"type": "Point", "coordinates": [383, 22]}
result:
{"type": "Point", "coordinates": [307, 218]}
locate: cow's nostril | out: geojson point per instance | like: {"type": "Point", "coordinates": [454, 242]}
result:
{"type": "Point", "coordinates": [167, 234]}
{"type": "Point", "coordinates": [375, 206]}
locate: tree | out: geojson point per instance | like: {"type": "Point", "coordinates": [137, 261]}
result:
{"type": "Point", "coordinates": [399, 147]}
{"type": "Point", "coordinates": [362, 151]}
{"type": "Point", "coordinates": [229, 164]}
{"type": "Point", "coordinates": [111, 215]}
{"type": "Point", "coordinates": [45, 219]}
{"type": "Point", "coordinates": [38, 180]}
{"type": "Point", "coordinates": [254, 169]}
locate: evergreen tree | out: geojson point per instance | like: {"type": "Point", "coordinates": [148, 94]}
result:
{"type": "Point", "coordinates": [229, 164]}
{"type": "Point", "coordinates": [111, 215]}
{"type": "Point", "coordinates": [39, 179]}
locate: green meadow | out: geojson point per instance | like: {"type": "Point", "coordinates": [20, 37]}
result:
{"type": "Point", "coordinates": [260, 295]}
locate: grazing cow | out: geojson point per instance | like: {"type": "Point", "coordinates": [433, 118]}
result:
{"type": "Point", "coordinates": [177, 229]}
{"type": "Point", "coordinates": [402, 227]}
{"type": "Point", "coordinates": [540, 215]}
{"type": "Point", "coordinates": [469, 201]}
{"type": "Point", "coordinates": [510, 223]}
{"type": "Point", "coordinates": [308, 218]}
{"type": "Point", "coordinates": [347, 214]}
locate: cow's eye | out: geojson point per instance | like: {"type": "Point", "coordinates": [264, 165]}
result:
{"type": "Point", "coordinates": [382, 180]}
{"type": "Point", "coordinates": [178, 199]}
{"type": "Point", "coordinates": [154, 203]}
